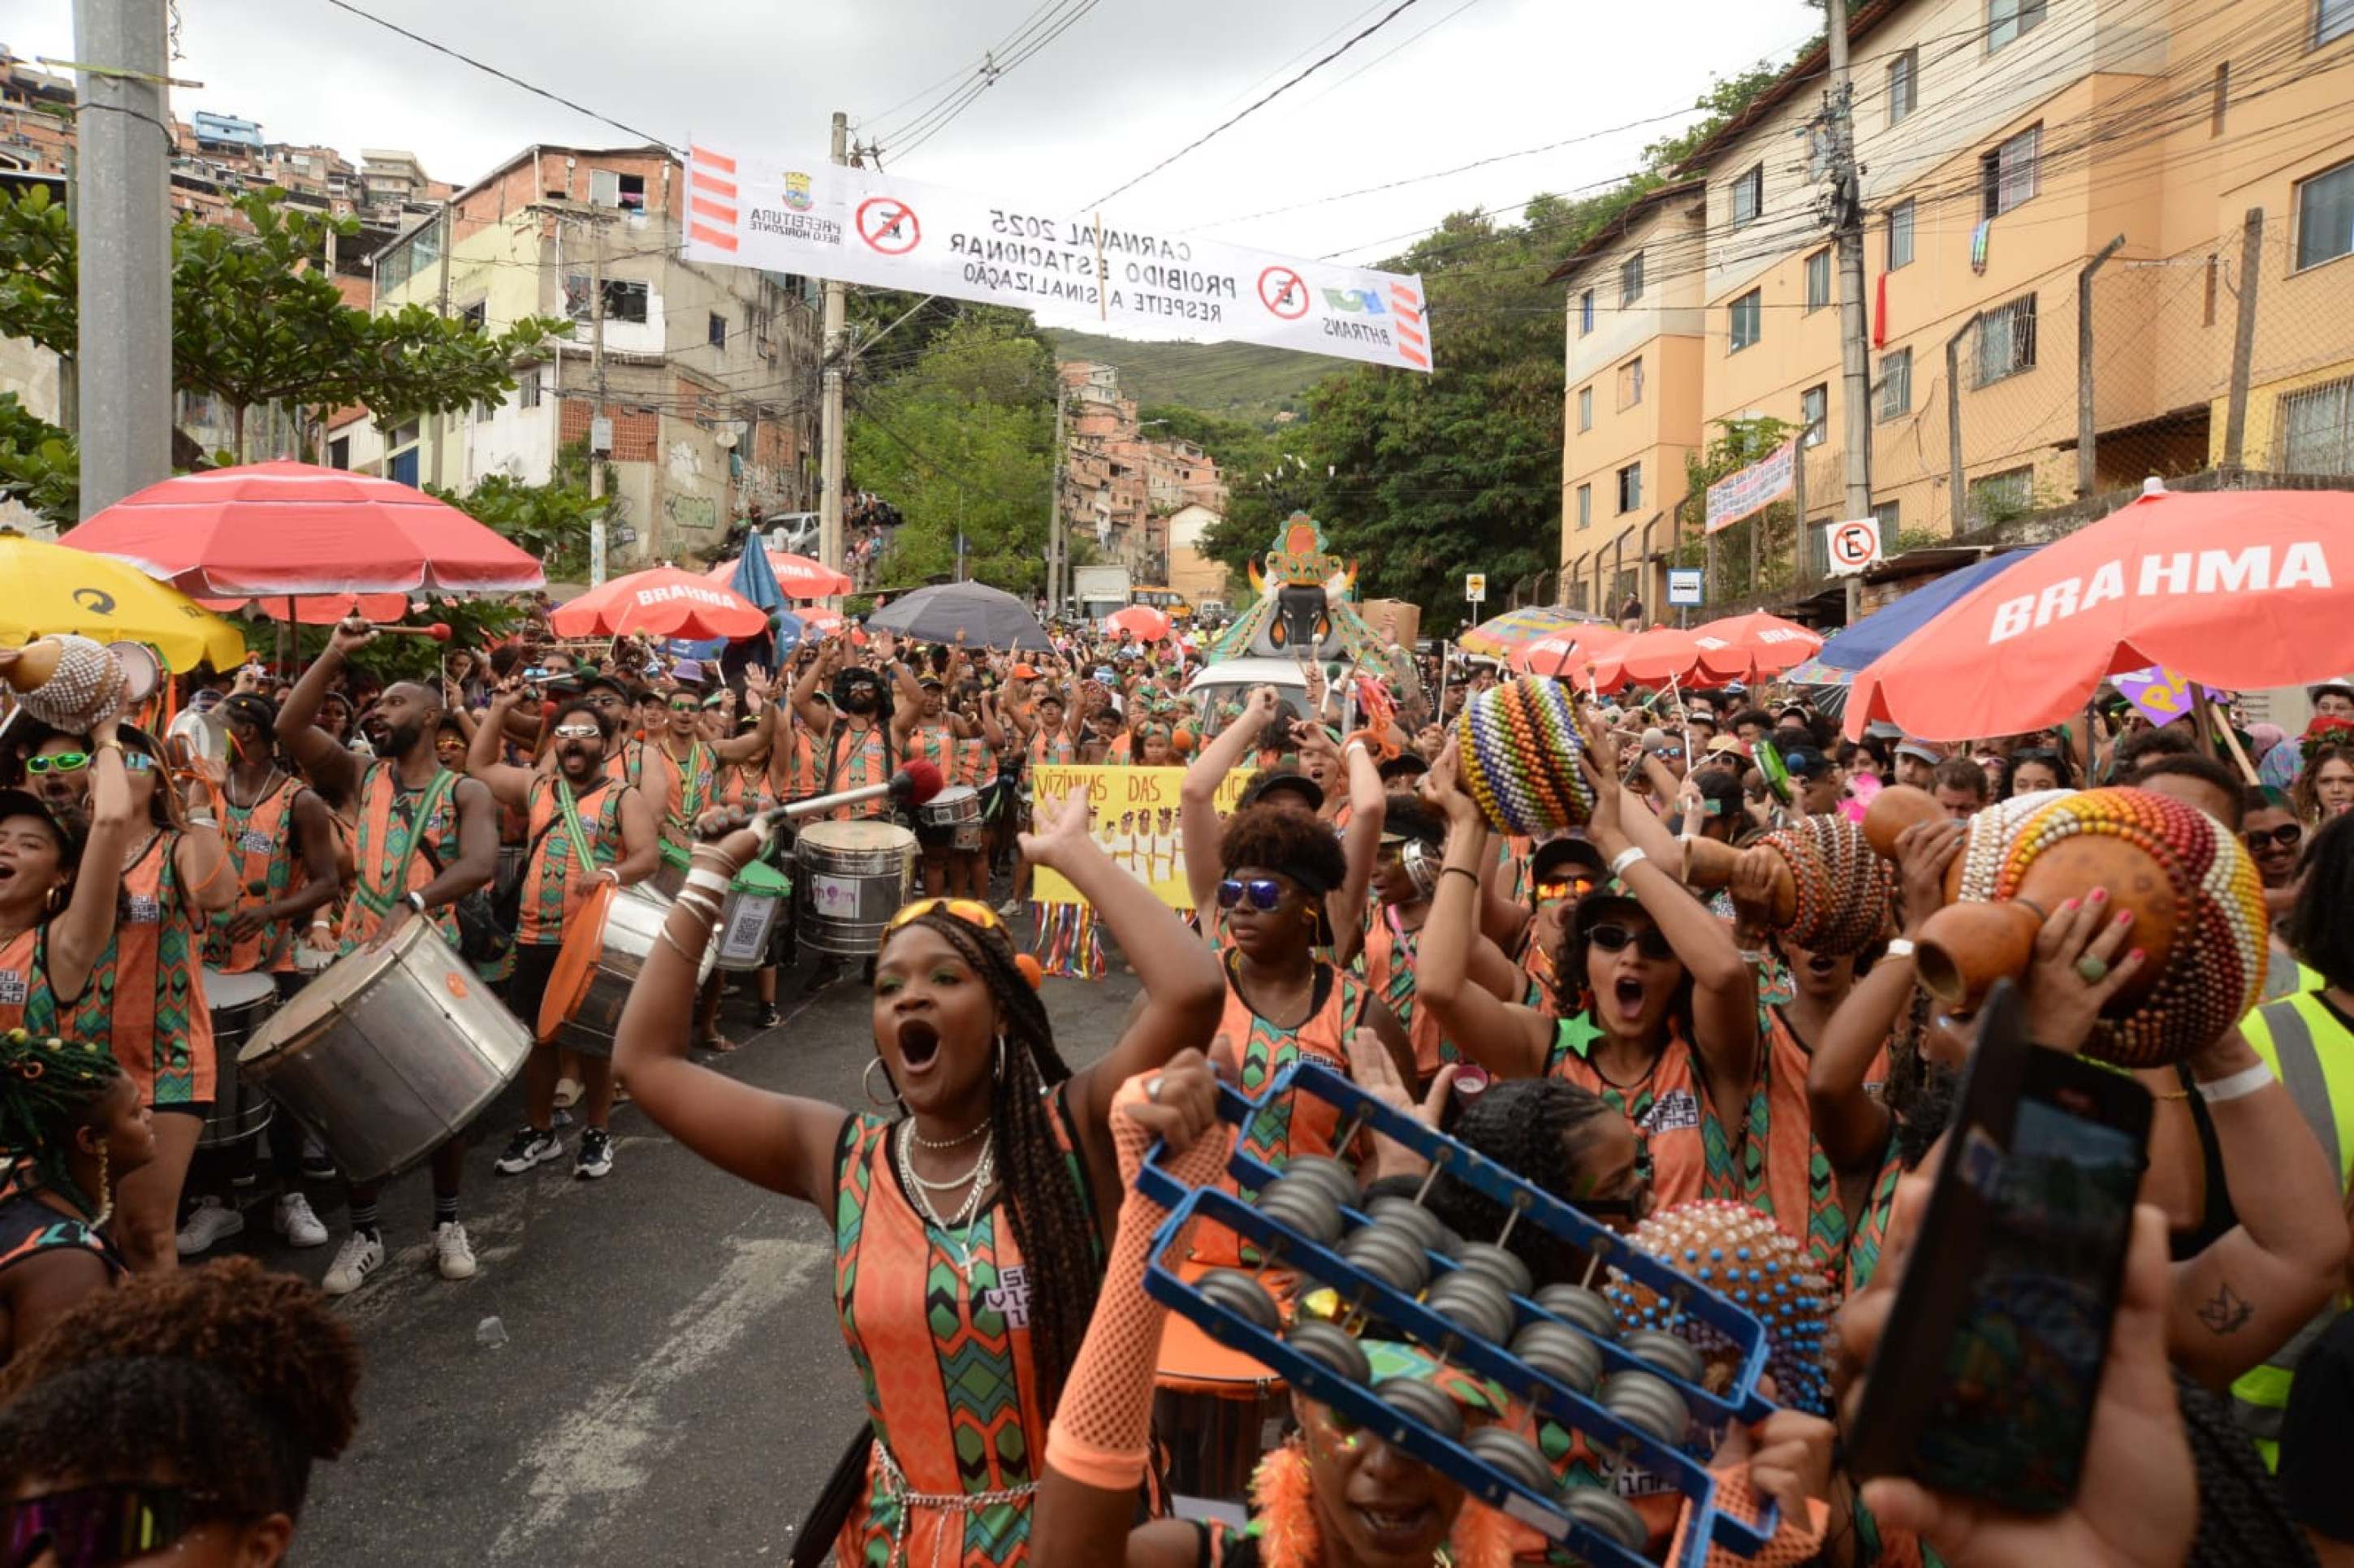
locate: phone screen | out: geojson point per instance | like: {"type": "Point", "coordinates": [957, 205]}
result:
{"type": "Point", "coordinates": [2014, 1406]}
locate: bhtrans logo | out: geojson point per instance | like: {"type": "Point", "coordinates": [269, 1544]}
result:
{"type": "Point", "coordinates": [1357, 302]}
{"type": "Point", "coordinates": [2259, 568]}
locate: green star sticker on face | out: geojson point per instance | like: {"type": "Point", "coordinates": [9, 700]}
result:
{"type": "Point", "coordinates": [1579, 1032]}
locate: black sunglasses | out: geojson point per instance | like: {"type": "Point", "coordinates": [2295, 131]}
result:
{"type": "Point", "coordinates": [1265, 892]}
{"type": "Point", "coordinates": [1651, 944]}
{"type": "Point", "coordinates": [2285, 836]}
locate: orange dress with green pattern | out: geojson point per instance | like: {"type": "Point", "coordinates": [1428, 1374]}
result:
{"type": "Point", "coordinates": [145, 999]}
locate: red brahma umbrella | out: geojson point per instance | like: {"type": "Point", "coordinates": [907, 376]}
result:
{"type": "Point", "coordinates": [798, 576]}
{"type": "Point", "coordinates": [1661, 655]}
{"type": "Point", "coordinates": [1564, 654]}
{"type": "Point", "coordinates": [272, 530]}
{"type": "Point", "coordinates": [2237, 589]}
{"type": "Point", "coordinates": [664, 601]}
{"type": "Point", "coordinates": [1139, 620]}
{"type": "Point", "coordinates": [1768, 643]}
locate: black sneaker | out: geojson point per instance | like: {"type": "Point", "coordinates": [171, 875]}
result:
{"type": "Point", "coordinates": [769, 1017]}
{"type": "Point", "coordinates": [596, 1155]}
{"type": "Point", "coordinates": [318, 1165]}
{"type": "Point", "coordinates": [527, 1148]}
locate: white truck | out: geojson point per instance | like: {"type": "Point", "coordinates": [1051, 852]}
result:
{"type": "Point", "coordinates": [1098, 591]}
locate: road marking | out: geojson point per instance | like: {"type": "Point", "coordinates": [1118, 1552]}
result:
{"type": "Point", "coordinates": [585, 1466]}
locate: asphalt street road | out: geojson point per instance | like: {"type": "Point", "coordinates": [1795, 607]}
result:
{"type": "Point", "coordinates": [674, 1387]}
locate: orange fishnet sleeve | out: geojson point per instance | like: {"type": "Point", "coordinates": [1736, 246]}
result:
{"type": "Point", "coordinates": [1102, 1434]}
{"type": "Point", "coordinates": [1792, 1544]}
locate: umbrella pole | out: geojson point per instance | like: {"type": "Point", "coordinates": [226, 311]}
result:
{"type": "Point", "coordinates": [290, 641]}
{"type": "Point", "coordinates": [2205, 722]}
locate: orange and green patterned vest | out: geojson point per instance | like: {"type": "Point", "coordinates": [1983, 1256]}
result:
{"type": "Point", "coordinates": [555, 884]}
{"type": "Point", "coordinates": [259, 839]}
{"type": "Point", "coordinates": [145, 999]}
{"type": "Point", "coordinates": [385, 814]}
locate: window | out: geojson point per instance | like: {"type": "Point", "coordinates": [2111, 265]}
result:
{"type": "Point", "coordinates": [1904, 93]}
{"type": "Point", "coordinates": [1586, 407]}
{"type": "Point", "coordinates": [2007, 176]}
{"type": "Point", "coordinates": [1748, 316]}
{"type": "Point", "coordinates": [2009, 20]}
{"type": "Point", "coordinates": [2317, 429]}
{"type": "Point", "coordinates": [1631, 487]}
{"type": "Point", "coordinates": [716, 331]}
{"type": "Point", "coordinates": [607, 189]}
{"type": "Point", "coordinates": [625, 302]}
{"type": "Point", "coordinates": [1998, 497]}
{"type": "Point", "coordinates": [2332, 20]}
{"type": "Point", "coordinates": [1818, 279]}
{"type": "Point", "coordinates": [1748, 196]}
{"type": "Point", "coordinates": [476, 315]}
{"type": "Point", "coordinates": [1631, 279]}
{"type": "Point", "coordinates": [1899, 235]}
{"type": "Point", "coordinates": [1885, 514]}
{"type": "Point", "coordinates": [1815, 415]}
{"type": "Point", "coordinates": [1896, 384]}
{"type": "Point", "coordinates": [339, 452]}
{"type": "Point", "coordinates": [1585, 312]}
{"type": "Point", "coordinates": [1584, 505]}
{"type": "Point", "coordinates": [2006, 341]}
{"type": "Point", "coordinates": [2324, 216]}
{"type": "Point", "coordinates": [527, 388]}
{"type": "Point", "coordinates": [1630, 383]}
{"type": "Point", "coordinates": [2223, 99]}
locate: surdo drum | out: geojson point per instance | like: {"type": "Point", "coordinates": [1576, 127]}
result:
{"type": "Point", "coordinates": [239, 1003]}
{"type": "Point", "coordinates": [851, 878]}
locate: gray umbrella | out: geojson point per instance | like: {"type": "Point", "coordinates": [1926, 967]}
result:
{"type": "Point", "coordinates": [987, 617]}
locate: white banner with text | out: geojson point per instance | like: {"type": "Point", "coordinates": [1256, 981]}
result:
{"type": "Point", "coordinates": [1087, 270]}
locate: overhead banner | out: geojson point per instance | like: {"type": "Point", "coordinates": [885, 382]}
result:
{"type": "Point", "coordinates": [1736, 495]}
{"type": "Point", "coordinates": [1090, 270]}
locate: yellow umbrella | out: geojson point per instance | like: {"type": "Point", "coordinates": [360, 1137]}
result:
{"type": "Point", "coordinates": [52, 590]}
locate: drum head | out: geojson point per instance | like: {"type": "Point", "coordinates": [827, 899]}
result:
{"type": "Point", "coordinates": [856, 836]}
{"type": "Point", "coordinates": [227, 991]}
{"type": "Point", "coordinates": [575, 962]}
{"type": "Point", "coordinates": [311, 1006]}
{"type": "Point", "coordinates": [143, 672]}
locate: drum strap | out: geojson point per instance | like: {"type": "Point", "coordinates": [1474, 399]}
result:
{"type": "Point", "coordinates": [572, 827]}
{"type": "Point", "coordinates": [380, 899]}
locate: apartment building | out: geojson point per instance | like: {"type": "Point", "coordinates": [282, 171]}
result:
{"type": "Point", "coordinates": [1121, 486]}
{"type": "Point", "coordinates": [2004, 145]}
{"type": "Point", "coordinates": [710, 373]}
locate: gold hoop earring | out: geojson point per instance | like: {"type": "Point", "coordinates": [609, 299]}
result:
{"type": "Point", "coordinates": [105, 1191]}
{"type": "Point", "coordinates": [866, 1082]}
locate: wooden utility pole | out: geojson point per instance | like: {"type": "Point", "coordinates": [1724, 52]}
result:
{"type": "Point", "coordinates": [2086, 432]}
{"type": "Point", "coordinates": [2243, 339]}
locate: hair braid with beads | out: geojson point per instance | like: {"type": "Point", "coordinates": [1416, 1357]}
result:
{"type": "Point", "coordinates": [48, 1091]}
{"type": "Point", "coordinates": [1052, 1224]}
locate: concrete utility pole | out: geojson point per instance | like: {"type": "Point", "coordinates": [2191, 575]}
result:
{"type": "Point", "coordinates": [2087, 436]}
{"type": "Point", "coordinates": [597, 358]}
{"type": "Point", "coordinates": [1855, 342]}
{"type": "Point", "coordinates": [124, 290]}
{"type": "Point", "coordinates": [447, 223]}
{"type": "Point", "coordinates": [1058, 543]}
{"type": "Point", "coordinates": [830, 421]}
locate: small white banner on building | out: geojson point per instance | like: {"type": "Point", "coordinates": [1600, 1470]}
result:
{"type": "Point", "coordinates": [1736, 495]}
{"type": "Point", "coordinates": [1090, 271]}
{"type": "Point", "coordinates": [1683, 585]}
{"type": "Point", "coordinates": [1852, 545]}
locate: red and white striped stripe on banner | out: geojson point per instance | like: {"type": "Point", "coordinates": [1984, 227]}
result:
{"type": "Point", "coordinates": [711, 199]}
{"type": "Point", "coordinates": [1413, 347]}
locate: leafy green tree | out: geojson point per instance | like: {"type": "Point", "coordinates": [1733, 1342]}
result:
{"type": "Point", "coordinates": [39, 466]}
{"type": "Point", "coordinates": [962, 439]}
{"type": "Point", "coordinates": [1767, 533]}
{"type": "Point", "coordinates": [550, 521]}
{"type": "Point", "coordinates": [256, 317]}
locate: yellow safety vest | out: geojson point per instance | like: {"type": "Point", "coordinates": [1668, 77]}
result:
{"type": "Point", "coordinates": [2313, 1055]}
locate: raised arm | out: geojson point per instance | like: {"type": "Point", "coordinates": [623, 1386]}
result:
{"type": "Point", "coordinates": [200, 858]}
{"type": "Point", "coordinates": [812, 715]}
{"type": "Point", "coordinates": [781, 1142]}
{"type": "Point", "coordinates": [753, 742]}
{"type": "Point", "coordinates": [509, 784]}
{"type": "Point", "coordinates": [325, 760]}
{"type": "Point", "coordinates": [1197, 799]}
{"type": "Point", "coordinates": [1361, 843]}
{"type": "Point", "coordinates": [1507, 1039]}
{"type": "Point", "coordinates": [77, 939]}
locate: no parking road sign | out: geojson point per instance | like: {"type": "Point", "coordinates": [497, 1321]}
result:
{"type": "Point", "coordinates": [1853, 544]}
{"type": "Point", "coordinates": [888, 225]}
{"type": "Point", "coordinates": [1282, 293]}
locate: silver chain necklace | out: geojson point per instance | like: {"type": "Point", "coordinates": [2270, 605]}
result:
{"type": "Point", "coordinates": [920, 1192]}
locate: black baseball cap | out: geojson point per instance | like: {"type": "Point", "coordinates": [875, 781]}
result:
{"type": "Point", "coordinates": [1557, 855]}
{"type": "Point", "coordinates": [1275, 778]}
{"type": "Point", "coordinates": [25, 803]}
{"type": "Point", "coordinates": [1405, 765]}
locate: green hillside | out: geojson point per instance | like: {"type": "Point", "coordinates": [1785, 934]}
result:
{"type": "Point", "coordinates": [1238, 378]}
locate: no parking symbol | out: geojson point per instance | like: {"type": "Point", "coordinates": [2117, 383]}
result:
{"type": "Point", "coordinates": [1853, 544]}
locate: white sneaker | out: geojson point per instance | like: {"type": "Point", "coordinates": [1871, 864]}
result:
{"type": "Point", "coordinates": [1010, 908]}
{"type": "Point", "coordinates": [452, 1254]}
{"type": "Point", "coordinates": [211, 1221]}
{"type": "Point", "coordinates": [295, 1222]}
{"type": "Point", "coordinates": [361, 1257]}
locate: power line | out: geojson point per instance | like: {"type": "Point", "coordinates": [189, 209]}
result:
{"type": "Point", "coordinates": [508, 77]}
{"type": "Point", "coordinates": [1353, 40]}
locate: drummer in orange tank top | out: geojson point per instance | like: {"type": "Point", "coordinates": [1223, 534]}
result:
{"type": "Point", "coordinates": [1659, 1014]}
{"type": "Point", "coordinates": [971, 1208]}
{"type": "Point", "coordinates": [145, 999]}
{"type": "Point", "coordinates": [406, 795]}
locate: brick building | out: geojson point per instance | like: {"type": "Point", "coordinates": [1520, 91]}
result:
{"type": "Point", "coordinates": [1120, 487]}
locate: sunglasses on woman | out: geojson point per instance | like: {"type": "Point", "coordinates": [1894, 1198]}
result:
{"type": "Point", "coordinates": [973, 912]}
{"type": "Point", "coordinates": [1651, 944]}
{"type": "Point", "coordinates": [1264, 893]}
{"type": "Point", "coordinates": [97, 1527]}
{"type": "Point", "coordinates": [60, 762]}
{"type": "Point", "coordinates": [2285, 836]}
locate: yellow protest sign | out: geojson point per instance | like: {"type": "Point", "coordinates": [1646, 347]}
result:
{"type": "Point", "coordinates": [1137, 821]}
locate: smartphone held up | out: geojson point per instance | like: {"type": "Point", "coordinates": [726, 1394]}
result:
{"type": "Point", "coordinates": [1985, 1381]}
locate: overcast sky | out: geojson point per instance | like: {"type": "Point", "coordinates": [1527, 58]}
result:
{"type": "Point", "coordinates": [1128, 83]}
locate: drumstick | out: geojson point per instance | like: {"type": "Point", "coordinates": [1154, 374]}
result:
{"type": "Point", "coordinates": [439, 630]}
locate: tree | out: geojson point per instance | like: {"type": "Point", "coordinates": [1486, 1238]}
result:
{"type": "Point", "coordinates": [962, 439]}
{"type": "Point", "coordinates": [1766, 533]}
{"type": "Point", "coordinates": [39, 466]}
{"type": "Point", "coordinates": [256, 317]}
{"type": "Point", "coordinates": [550, 521]}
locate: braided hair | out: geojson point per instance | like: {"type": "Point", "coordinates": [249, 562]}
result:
{"type": "Point", "coordinates": [2242, 1521]}
{"type": "Point", "coordinates": [1540, 1130]}
{"type": "Point", "coordinates": [1052, 1224]}
{"type": "Point", "coordinates": [49, 1091]}
{"type": "Point", "coordinates": [229, 1380]}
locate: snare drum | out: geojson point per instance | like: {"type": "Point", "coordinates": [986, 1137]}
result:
{"type": "Point", "coordinates": [748, 919]}
{"type": "Point", "coordinates": [606, 942]}
{"type": "Point", "coordinates": [1217, 1411]}
{"type": "Point", "coordinates": [950, 820]}
{"type": "Point", "coordinates": [389, 1053]}
{"type": "Point", "coordinates": [852, 878]}
{"type": "Point", "coordinates": [239, 1004]}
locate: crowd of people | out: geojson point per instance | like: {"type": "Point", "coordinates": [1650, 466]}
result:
{"type": "Point", "coordinates": [1596, 1010]}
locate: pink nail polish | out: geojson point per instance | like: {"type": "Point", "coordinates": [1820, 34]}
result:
{"type": "Point", "coordinates": [2124, 917]}
{"type": "Point", "coordinates": [2136, 954]}
{"type": "Point", "coordinates": [2069, 907]}
{"type": "Point", "coordinates": [2099, 895]}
